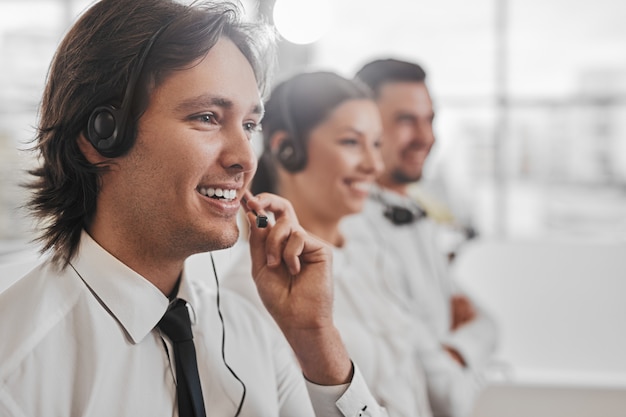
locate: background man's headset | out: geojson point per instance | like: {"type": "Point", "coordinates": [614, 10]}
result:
{"type": "Point", "coordinates": [402, 215]}
{"type": "Point", "coordinates": [109, 134]}
{"type": "Point", "coordinates": [399, 215]}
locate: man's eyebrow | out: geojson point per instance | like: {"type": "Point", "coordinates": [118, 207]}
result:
{"type": "Point", "coordinates": [205, 100]}
{"type": "Point", "coordinates": [405, 115]}
{"type": "Point", "coordinates": [258, 109]}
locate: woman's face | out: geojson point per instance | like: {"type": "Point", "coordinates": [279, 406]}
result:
{"type": "Point", "coordinates": [343, 161]}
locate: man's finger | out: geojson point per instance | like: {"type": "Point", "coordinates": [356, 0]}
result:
{"type": "Point", "coordinates": [257, 239]}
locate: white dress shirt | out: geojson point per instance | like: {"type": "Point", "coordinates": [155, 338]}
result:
{"type": "Point", "coordinates": [414, 277]}
{"type": "Point", "coordinates": [377, 340]}
{"type": "Point", "coordinates": [82, 342]}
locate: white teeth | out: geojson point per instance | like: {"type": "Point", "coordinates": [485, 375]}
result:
{"type": "Point", "coordinates": [361, 185]}
{"type": "Point", "coordinates": [218, 192]}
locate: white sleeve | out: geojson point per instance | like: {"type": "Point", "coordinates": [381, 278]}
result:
{"type": "Point", "coordinates": [348, 400]}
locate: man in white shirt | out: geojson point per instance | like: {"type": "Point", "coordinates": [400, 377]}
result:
{"type": "Point", "coordinates": [144, 143]}
{"type": "Point", "coordinates": [455, 339]}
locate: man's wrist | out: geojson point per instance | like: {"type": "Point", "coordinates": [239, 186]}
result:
{"type": "Point", "coordinates": [322, 355]}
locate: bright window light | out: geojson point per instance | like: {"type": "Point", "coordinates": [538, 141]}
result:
{"type": "Point", "coordinates": [302, 21]}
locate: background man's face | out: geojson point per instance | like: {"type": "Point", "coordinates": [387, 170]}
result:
{"type": "Point", "coordinates": [407, 114]}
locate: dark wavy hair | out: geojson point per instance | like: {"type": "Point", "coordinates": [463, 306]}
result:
{"type": "Point", "coordinates": [91, 67]}
{"type": "Point", "coordinates": [381, 71]}
{"type": "Point", "coordinates": [297, 106]}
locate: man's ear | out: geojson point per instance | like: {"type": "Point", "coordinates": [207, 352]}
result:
{"type": "Point", "coordinates": [89, 152]}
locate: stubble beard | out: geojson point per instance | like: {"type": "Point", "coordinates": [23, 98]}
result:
{"type": "Point", "coordinates": [211, 241]}
{"type": "Point", "coordinates": [400, 177]}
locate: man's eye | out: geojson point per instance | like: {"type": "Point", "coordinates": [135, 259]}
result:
{"type": "Point", "coordinates": [252, 127]}
{"type": "Point", "coordinates": [206, 118]}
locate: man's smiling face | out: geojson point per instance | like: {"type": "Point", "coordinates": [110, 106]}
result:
{"type": "Point", "coordinates": [180, 185]}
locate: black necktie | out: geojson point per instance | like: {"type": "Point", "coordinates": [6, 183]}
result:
{"type": "Point", "coordinates": [177, 326]}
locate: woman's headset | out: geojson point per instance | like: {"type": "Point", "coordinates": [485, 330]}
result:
{"type": "Point", "coordinates": [291, 154]}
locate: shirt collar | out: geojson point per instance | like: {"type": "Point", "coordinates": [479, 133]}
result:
{"type": "Point", "coordinates": [133, 300]}
{"type": "Point", "coordinates": [186, 292]}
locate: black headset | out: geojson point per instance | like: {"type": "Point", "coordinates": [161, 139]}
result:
{"type": "Point", "coordinates": [107, 127]}
{"type": "Point", "coordinates": [399, 215]}
{"type": "Point", "coordinates": [291, 155]}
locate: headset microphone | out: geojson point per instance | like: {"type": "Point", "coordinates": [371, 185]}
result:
{"type": "Point", "coordinates": [261, 219]}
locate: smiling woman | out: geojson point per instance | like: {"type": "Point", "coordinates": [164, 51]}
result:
{"type": "Point", "coordinates": [321, 149]}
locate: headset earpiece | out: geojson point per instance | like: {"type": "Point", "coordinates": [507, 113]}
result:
{"type": "Point", "coordinates": [290, 153]}
{"type": "Point", "coordinates": [289, 156]}
{"type": "Point", "coordinates": [106, 127]}
{"type": "Point", "coordinates": [104, 130]}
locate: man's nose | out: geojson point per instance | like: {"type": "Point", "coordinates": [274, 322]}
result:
{"type": "Point", "coordinates": [424, 134]}
{"type": "Point", "coordinates": [239, 153]}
